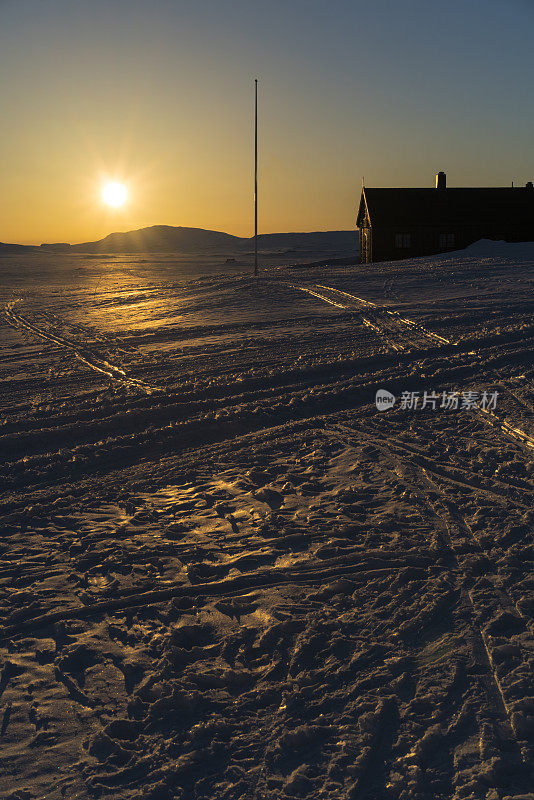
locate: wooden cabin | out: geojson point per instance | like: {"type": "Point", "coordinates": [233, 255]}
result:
{"type": "Point", "coordinates": [406, 223]}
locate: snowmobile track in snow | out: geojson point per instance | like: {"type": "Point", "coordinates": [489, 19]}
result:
{"type": "Point", "coordinates": [455, 533]}
{"type": "Point", "coordinates": [232, 587]}
{"type": "Point", "coordinates": [383, 316]}
{"type": "Point", "coordinates": [334, 297]}
{"type": "Point", "coordinates": [83, 354]}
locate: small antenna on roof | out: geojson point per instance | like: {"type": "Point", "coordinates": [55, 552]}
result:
{"type": "Point", "coordinates": [363, 181]}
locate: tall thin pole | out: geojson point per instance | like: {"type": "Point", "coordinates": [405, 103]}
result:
{"type": "Point", "coordinates": [256, 176]}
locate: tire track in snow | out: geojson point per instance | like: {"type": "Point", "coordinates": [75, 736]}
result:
{"type": "Point", "coordinates": [485, 414]}
{"type": "Point", "coordinates": [455, 530]}
{"type": "Point", "coordinates": [397, 325]}
{"type": "Point", "coordinates": [481, 646]}
{"type": "Point", "coordinates": [232, 587]}
{"type": "Point", "coordinates": [83, 354]}
{"type": "Point", "coordinates": [510, 430]}
{"type": "Point", "coordinates": [394, 314]}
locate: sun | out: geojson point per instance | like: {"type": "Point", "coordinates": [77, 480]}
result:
{"type": "Point", "coordinates": [114, 194]}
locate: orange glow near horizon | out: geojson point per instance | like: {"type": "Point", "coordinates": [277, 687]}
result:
{"type": "Point", "coordinates": [159, 96]}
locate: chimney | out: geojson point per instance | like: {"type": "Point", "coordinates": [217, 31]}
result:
{"type": "Point", "coordinates": [441, 180]}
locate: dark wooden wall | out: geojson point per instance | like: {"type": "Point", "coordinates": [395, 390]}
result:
{"type": "Point", "coordinates": [426, 240]}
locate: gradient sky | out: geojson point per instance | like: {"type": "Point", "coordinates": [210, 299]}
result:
{"type": "Point", "coordinates": [159, 94]}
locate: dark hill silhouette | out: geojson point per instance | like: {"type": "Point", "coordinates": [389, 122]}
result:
{"type": "Point", "coordinates": [169, 239]}
{"type": "Point", "coordinates": [16, 248]}
{"type": "Point", "coordinates": [160, 238]}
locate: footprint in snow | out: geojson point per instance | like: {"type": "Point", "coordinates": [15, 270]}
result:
{"type": "Point", "coordinates": [270, 496]}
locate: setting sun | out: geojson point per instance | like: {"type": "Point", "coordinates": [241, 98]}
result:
{"type": "Point", "coordinates": [114, 194]}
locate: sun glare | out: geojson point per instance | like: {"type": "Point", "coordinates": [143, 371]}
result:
{"type": "Point", "coordinates": [114, 194]}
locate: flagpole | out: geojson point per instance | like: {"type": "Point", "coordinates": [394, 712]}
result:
{"type": "Point", "coordinates": [256, 176]}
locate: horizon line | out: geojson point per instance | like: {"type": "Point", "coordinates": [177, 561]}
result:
{"type": "Point", "coordinates": [185, 227]}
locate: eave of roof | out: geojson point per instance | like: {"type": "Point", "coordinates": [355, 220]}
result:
{"type": "Point", "coordinates": [455, 206]}
{"type": "Point", "coordinates": [362, 209]}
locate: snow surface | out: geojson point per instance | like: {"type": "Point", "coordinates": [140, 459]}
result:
{"type": "Point", "coordinates": [223, 573]}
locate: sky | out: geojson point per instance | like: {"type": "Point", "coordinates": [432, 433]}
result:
{"type": "Point", "coordinates": [159, 94]}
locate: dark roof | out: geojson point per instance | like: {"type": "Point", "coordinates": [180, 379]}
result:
{"type": "Point", "coordinates": [481, 207]}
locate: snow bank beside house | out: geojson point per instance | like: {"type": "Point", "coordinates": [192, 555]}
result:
{"type": "Point", "coordinates": [518, 251]}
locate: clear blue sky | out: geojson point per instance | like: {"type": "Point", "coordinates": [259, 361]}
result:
{"type": "Point", "coordinates": [159, 95]}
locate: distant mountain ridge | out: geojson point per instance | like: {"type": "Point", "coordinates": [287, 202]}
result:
{"type": "Point", "coordinates": [169, 239]}
{"type": "Point", "coordinates": [160, 238]}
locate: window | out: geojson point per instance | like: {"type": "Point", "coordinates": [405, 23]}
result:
{"type": "Point", "coordinates": [447, 240]}
{"type": "Point", "coordinates": [403, 240]}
